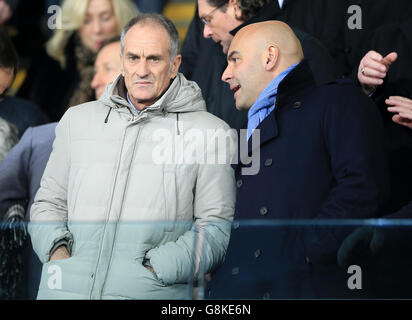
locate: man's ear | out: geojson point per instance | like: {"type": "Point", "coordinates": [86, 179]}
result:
{"type": "Point", "coordinates": [176, 64]}
{"type": "Point", "coordinates": [236, 8]}
{"type": "Point", "coordinates": [122, 64]}
{"type": "Point", "coordinates": [271, 58]}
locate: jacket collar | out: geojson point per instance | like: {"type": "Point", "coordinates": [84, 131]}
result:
{"type": "Point", "coordinates": [182, 95]}
{"type": "Point", "coordinates": [121, 88]}
{"type": "Point", "coordinates": [119, 96]}
{"type": "Point", "coordinates": [295, 85]}
{"type": "Point", "coordinates": [268, 12]}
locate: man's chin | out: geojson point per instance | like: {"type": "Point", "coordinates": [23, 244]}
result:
{"type": "Point", "coordinates": [143, 100]}
{"type": "Point", "coordinates": [225, 47]}
{"type": "Point", "coordinates": [241, 106]}
{"type": "Point", "coordinates": [142, 95]}
{"type": "Point", "coordinates": [98, 94]}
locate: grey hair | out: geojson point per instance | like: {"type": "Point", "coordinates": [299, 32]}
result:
{"type": "Point", "coordinates": [160, 20]}
{"type": "Point", "coordinates": [8, 137]}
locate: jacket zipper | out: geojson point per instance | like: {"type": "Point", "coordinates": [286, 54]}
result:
{"type": "Point", "coordinates": [108, 213]}
{"type": "Point", "coordinates": [121, 208]}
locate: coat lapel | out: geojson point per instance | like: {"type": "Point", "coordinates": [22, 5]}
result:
{"type": "Point", "coordinates": [267, 130]}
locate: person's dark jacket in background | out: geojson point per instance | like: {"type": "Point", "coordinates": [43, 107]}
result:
{"type": "Point", "coordinates": [378, 18]}
{"type": "Point", "coordinates": [21, 113]}
{"type": "Point", "coordinates": [398, 145]}
{"type": "Point", "coordinates": [395, 37]}
{"type": "Point", "coordinates": [398, 82]}
{"type": "Point", "coordinates": [320, 60]}
{"type": "Point", "coordinates": [50, 86]}
{"type": "Point", "coordinates": [321, 157]}
{"type": "Point", "coordinates": [345, 27]}
{"type": "Point", "coordinates": [322, 19]}
{"type": "Point", "coordinates": [20, 175]}
{"type": "Point", "coordinates": [27, 22]}
{"type": "Point", "coordinates": [150, 6]}
{"type": "Point", "coordinates": [383, 250]}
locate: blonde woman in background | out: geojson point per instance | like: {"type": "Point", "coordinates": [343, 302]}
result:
{"type": "Point", "coordinates": [61, 76]}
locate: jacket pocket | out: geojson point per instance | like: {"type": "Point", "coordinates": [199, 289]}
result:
{"type": "Point", "coordinates": [170, 196]}
{"type": "Point", "coordinates": [151, 274]}
{"type": "Point", "coordinates": [62, 279]}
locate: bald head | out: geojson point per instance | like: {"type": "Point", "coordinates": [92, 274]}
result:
{"type": "Point", "coordinates": [258, 53]}
{"type": "Point", "coordinates": [276, 34]}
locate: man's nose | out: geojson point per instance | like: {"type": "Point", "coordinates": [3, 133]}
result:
{"type": "Point", "coordinates": [142, 69]}
{"type": "Point", "coordinates": [207, 31]}
{"type": "Point", "coordinates": [96, 80]}
{"type": "Point", "coordinates": [227, 74]}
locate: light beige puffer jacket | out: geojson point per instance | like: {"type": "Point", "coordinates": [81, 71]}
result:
{"type": "Point", "coordinates": [106, 196]}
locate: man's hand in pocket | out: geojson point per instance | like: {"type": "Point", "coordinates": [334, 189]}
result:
{"type": "Point", "coordinates": [60, 253]}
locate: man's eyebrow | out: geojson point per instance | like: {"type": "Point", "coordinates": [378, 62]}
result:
{"type": "Point", "coordinates": [151, 56]}
{"type": "Point", "coordinates": [131, 54]}
{"type": "Point", "coordinates": [230, 56]}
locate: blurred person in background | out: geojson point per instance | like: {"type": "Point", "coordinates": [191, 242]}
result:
{"type": "Point", "coordinates": [8, 138]}
{"type": "Point", "coordinates": [6, 11]}
{"type": "Point", "coordinates": [384, 249]}
{"type": "Point", "coordinates": [107, 66]}
{"type": "Point", "coordinates": [62, 77]}
{"type": "Point", "coordinates": [17, 111]}
{"type": "Point", "coordinates": [384, 74]}
{"type": "Point", "coordinates": [144, 6]}
{"type": "Point", "coordinates": [23, 21]}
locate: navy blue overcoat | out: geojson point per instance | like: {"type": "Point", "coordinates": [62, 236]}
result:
{"type": "Point", "coordinates": [321, 157]}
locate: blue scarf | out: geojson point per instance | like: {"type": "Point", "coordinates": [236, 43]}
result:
{"type": "Point", "coordinates": [265, 103]}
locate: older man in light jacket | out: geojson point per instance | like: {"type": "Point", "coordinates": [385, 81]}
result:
{"type": "Point", "coordinates": [127, 209]}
